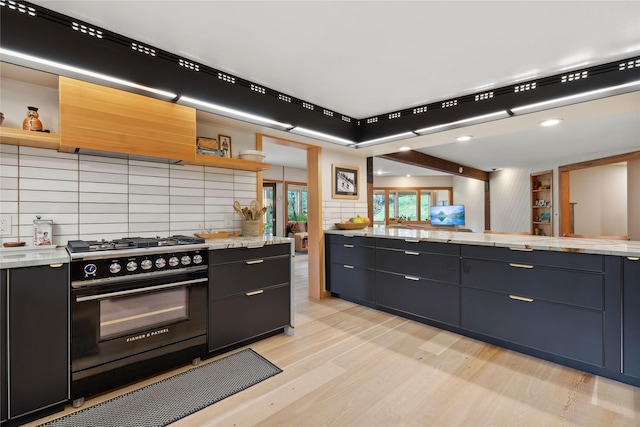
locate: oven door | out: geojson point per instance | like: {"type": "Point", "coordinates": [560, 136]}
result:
{"type": "Point", "coordinates": [115, 321]}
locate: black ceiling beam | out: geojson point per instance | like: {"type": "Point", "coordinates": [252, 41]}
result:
{"type": "Point", "coordinates": [50, 35]}
{"type": "Point", "coordinates": [416, 158]}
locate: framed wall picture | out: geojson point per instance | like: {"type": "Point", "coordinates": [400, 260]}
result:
{"type": "Point", "coordinates": [225, 145]}
{"type": "Point", "coordinates": [344, 182]}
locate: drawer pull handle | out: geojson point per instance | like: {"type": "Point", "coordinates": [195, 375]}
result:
{"type": "Point", "coordinates": [522, 249]}
{"type": "Point", "coordinates": [513, 264]}
{"type": "Point", "coordinates": [348, 246]}
{"type": "Point", "coordinates": [411, 253]}
{"type": "Point", "coordinates": [633, 258]}
{"type": "Point", "coordinates": [55, 265]}
{"type": "Point", "coordinates": [412, 240]}
{"type": "Point", "coordinates": [525, 299]}
{"type": "Point", "coordinates": [255, 261]}
{"type": "Point", "coordinates": [250, 294]}
{"type": "Point", "coordinates": [412, 278]}
{"type": "Point", "coordinates": [348, 266]}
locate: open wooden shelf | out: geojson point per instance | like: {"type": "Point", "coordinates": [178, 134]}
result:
{"type": "Point", "coordinates": [228, 163]}
{"type": "Point", "coordinates": [29, 138]}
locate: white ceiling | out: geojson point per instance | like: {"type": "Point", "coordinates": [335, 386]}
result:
{"type": "Point", "coordinates": [364, 58]}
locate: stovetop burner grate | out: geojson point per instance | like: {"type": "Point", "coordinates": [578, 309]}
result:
{"type": "Point", "coordinates": [76, 246]}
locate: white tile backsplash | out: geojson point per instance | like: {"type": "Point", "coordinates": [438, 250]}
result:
{"type": "Point", "coordinates": [92, 197]}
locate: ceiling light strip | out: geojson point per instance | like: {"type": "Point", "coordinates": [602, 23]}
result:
{"type": "Point", "coordinates": [389, 138]}
{"type": "Point", "coordinates": [320, 135]}
{"type": "Point", "coordinates": [496, 114]}
{"type": "Point", "coordinates": [231, 111]}
{"type": "Point", "coordinates": [84, 72]}
{"type": "Point", "coordinates": [576, 96]}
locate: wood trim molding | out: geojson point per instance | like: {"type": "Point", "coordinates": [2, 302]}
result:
{"type": "Point", "coordinates": [417, 158]}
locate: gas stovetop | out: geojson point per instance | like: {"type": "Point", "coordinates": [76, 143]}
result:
{"type": "Point", "coordinates": [82, 246]}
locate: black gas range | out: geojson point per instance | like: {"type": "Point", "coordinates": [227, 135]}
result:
{"type": "Point", "coordinates": [94, 261]}
{"type": "Point", "coordinates": [138, 306]}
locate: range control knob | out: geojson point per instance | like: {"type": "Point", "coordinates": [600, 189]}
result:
{"type": "Point", "coordinates": [173, 261]}
{"type": "Point", "coordinates": [90, 270]}
{"type": "Point", "coordinates": [115, 268]}
{"type": "Point", "coordinates": [132, 266]}
{"type": "Point", "coordinates": [161, 262]}
{"type": "Point", "coordinates": [197, 259]}
{"type": "Point", "coordinates": [146, 264]}
{"type": "Point", "coordinates": [185, 260]}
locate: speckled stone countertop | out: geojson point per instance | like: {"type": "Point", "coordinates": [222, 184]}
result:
{"type": "Point", "coordinates": [545, 243]}
{"type": "Point", "coordinates": [246, 241]}
{"type": "Point", "coordinates": [30, 256]}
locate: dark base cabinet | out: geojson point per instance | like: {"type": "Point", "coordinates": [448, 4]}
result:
{"type": "Point", "coordinates": [576, 309]}
{"type": "Point", "coordinates": [3, 347]}
{"type": "Point", "coordinates": [631, 317]}
{"type": "Point", "coordinates": [37, 337]}
{"type": "Point", "coordinates": [249, 294]}
{"type": "Point", "coordinates": [420, 297]}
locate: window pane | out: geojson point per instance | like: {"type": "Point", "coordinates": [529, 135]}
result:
{"type": "Point", "coordinates": [425, 203]}
{"type": "Point", "coordinates": [378, 206]}
{"type": "Point", "coordinates": [407, 205]}
{"type": "Point", "coordinates": [393, 212]}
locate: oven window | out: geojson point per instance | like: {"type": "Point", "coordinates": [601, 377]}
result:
{"type": "Point", "coordinates": [125, 315]}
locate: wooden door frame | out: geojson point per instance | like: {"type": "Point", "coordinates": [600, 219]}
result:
{"type": "Point", "coordinates": [564, 183]}
{"type": "Point", "coordinates": [314, 212]}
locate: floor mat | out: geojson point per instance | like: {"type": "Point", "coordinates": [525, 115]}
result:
{"type": "Point", "coordinates": [167, 401]}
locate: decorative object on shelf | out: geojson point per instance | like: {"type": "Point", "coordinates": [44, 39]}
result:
{"type": "Point", "coordinates": [42, 232]}
{"type": "Point", "coordinates": [13, 244]}
{"type": "Point", "coordinates": [218, 234]}
{"type": "Point", "coordinates": [252, 155]}
{"type": "Point", "coordinates": [344, 182]}
{"type": "Point", "coordinates": [225, 145]}
{"type": "Point", "coordinates": [1, 118]}
{"type": "Point", "coordinates": [209, 146]}
{"type": "Point", "coordinates": [32, 122]}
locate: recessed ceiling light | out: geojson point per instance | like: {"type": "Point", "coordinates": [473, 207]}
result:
{"type": "Point", "coordinates": [380, 172]}
{"type": "Point", "coordinates": [464, 138]}
{"type": "Point", "coordinates": [404, 148]}
{"type": "Point", "coordinates": [408, 175]}
{"type": "Point", "coordinates": [550, 122]}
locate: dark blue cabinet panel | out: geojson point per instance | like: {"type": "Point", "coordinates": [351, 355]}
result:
{"type": "Point", "coordinates": [352, 282]}
{"type": "Point", "coordinates": [575, 287]}
{"type": "Point", "coordinates": [631, 317]}
{"type": "Point", "coordinates": [357, 256]}
{"type": "Point", "coordinates": [418, 296]}
{"type": "Point", "coordinates": [444, 268]}
{"type": "Point", "coordinates": [571, 332]}
{"type": "Point", "coordinates": [420, 246]}
{"type": "Point", "coordinates": [3, 346]}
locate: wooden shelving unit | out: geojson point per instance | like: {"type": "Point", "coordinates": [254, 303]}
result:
{"type": "Point", "coordinates": [29, 138]}
{"type": "Point", "coordinates": [542, 203]}
{"type": "Point", "coordinates": [228, 163]}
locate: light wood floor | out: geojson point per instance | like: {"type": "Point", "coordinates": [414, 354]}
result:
{"type": "Point", "coordinates": [348, 365]}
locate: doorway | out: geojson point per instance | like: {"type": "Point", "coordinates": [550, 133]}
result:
{"type": "Point", "coordinates": [269, 197]}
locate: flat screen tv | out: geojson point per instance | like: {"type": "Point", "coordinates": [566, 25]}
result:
{"type": "Point", "coordinates": [447, 215]}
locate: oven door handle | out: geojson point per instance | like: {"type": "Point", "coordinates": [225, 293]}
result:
{"type": "Point", "coordinates": [140, 290]}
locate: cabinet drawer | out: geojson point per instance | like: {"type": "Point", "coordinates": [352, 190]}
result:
{"type": "Point", "coordinates": [239, 318]}
{"type": "Point", "coordinates": [572, 332]}
{"type": "Point", "coordinates": [421, 297]}
{"type": "Point", "coordinates": [590, 262]}
{"type": "Point", "coordinates": [581, 288]}
{"type": "Point", "coordinates": [416, 245]}
{"type": "Point", "coordinates": [349, 239]}
{"type": "Point", "coordinates": [356, 283]}
{"type": "Point", "coordinates": [221, 256]}
{"type": "Point", "coordinates": [347, 253]}
{"type": "Point", "coordinates": [244, 276]}
{"type": "Point", "coordinates": [445, 268]}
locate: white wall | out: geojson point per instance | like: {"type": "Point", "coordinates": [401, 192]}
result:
{"type": "Point", "coordinates": [633, 199]}
{"type": "Point", "coordinates": [510, 200]}
{"type": "Point", "coordinates": [601, 197]}
{"type": "Point", "coordinates": [470, 193]}
{"type": "Point", "coordinates": [336, 210]}
{"type": "Point", "coordinates": [92, 197]}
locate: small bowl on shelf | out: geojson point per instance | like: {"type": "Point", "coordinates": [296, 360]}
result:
{"type": "Point", "coordinates": [352, 225]}
{"type": "Point", "coordinates": [252, 155]}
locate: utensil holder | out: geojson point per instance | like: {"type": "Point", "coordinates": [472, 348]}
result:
{"type": "Point", "coordinates": [251, 228]}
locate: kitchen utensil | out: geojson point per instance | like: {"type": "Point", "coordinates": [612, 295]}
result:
{"type": "Point", "coordinates": [236, 206]}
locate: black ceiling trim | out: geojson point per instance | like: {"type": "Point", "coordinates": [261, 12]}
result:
{"type": "Point", "coordinates": [50, 35]}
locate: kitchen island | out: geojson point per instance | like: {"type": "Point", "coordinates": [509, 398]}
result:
{"type": "Point", "coordinates": [571, 301]}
